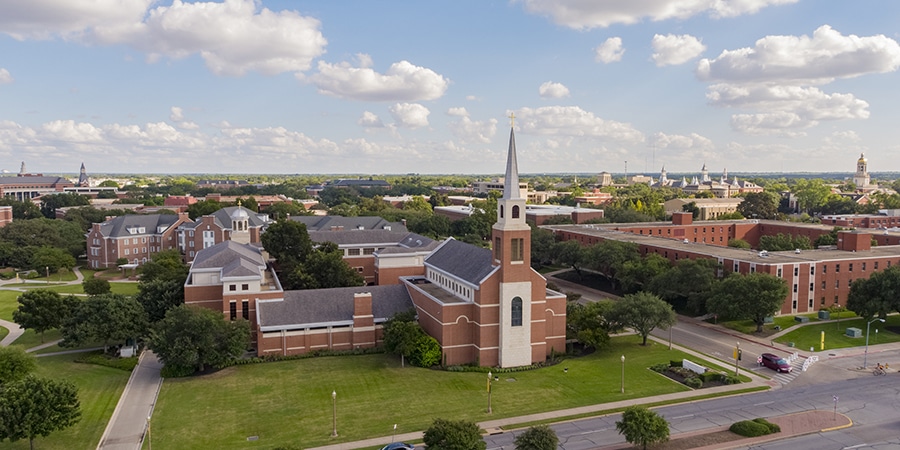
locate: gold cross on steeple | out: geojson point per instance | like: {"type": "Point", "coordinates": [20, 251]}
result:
{"type": "Point", "coordinates": [512, 120]}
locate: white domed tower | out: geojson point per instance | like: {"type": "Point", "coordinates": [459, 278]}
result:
{"type": "Point", "coordinates": [861, 178]}
{"type": "Point", "coordinates": [240, 227]}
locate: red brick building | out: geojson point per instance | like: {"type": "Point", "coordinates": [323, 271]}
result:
{"type": "Point", "coordinates": [133, 237]}
{"type": "Point", "coordinates": [816, 278]}
{"type": "Point", "coordinates": [6, 215]}
{"type": "Point", "coordinates": [234, 223]}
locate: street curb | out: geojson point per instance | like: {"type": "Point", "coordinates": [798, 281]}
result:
{"type": "Point", "coordinates": [839, 427]}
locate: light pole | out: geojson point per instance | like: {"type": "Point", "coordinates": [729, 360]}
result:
{"type": "Point", "coordinates": [623, 374]}
{"type": "Point", "coordinates": [490, 382]}
{"type": "Point", "coordinates": [866, 355]}
{"type": "Point", "coordinates": [149, 437]}
{"type": "Point", "coordinates": [334, 414]}
{"type": "Point", "coordinates": [393, 433]}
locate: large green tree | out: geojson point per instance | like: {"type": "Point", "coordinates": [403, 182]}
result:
{"type": "Point", "coordinates": [453, 435]}
{"type": "Point", "coordinates": [539, 437]}
{"type": "Point", "coordinates": [687, 285]}
{"type": "Point", "coordinates": [95, 286]}
{"type": "Point", "coordinates": [159, 296]}
{"type": "Point", "coordinates": [609, 256]}
{"type": "Point", "coordinates": [24, 210]}
{"type": "Point", "coordinates": [760, 205]}
{"type": "Point", "coordinates": [36, 233]}
{"type": "Point", "coordinates": [51, 259]}
{"type": "Point", "coordinates": [324, 268]}
{"type": "Point", "coordinates": [642, 312]}
{"type": "Point", "coordinates": [643, 427]}
{"type": "Point", "coordinates": [166, 265]}
{"type": "Point", "coordinates": [753, 296]}
{"type": "Point", "coordinates": [588, 323]}
{"type": "Point", "coordinates": [50, 203]}
{"type": "Point", "coordinates": [636, 274]}
{"type": "Point", "coordinates": [41, 310]}
{"type": "Point", "coordinates": [876, 296]}
{"type": "Point", "coordinates": [811, 194]}
{"type": "Point", "coordinates": [35, 407]}
{"type": "Point", "coordinates": [191, 338]}
{"type": "Point", "coordinates": [288, 242]}
{"type": "Point", "coordinates": [107, 318]}
{"type": "Point", "coordinates": [15, 364]}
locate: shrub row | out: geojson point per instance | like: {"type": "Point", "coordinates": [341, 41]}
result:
{"type": "Point", "coordinates": [754, 428]}
{"type": "Point", "coordinates": [126, 364]}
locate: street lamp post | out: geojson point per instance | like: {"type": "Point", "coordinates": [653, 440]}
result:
{"type": "Point", "coordinates": [866, 355]}
{"type": "Point", "coordinates": [490, 382]}
{"type": "Point", "coordinates": [149, 437]}
{"type": "Point", "coordinates": [334, 414]}
{"type": "Point", "coordinates": [623, 374]}
{"type": "Point", "coordinates": [393, 433]}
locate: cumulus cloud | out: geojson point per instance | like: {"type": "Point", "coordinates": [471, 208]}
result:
{"type": "Point", "coordinates": [409, 115]}
{"type": "Point", "coordinates": [573, 121]}
{"type": "Point", "coordinates": [403, 81]}
{"type": "Point", "coordinates": [583, 15]}
{"type": "Point", "coordinates": [671, 49]}
{"type": "Point", "coordinates": [472, 131]}
{"type": "Point", "coordinates": [177, 116]}
{"type": "Point", "coordinates": [458, 112]}
{"type": "Point", "coordinates": [609, 51]}
{"type": "Point", "coordinates": [779, 77]}
{"type": "Point", "coordinates": [233, 37]}
{"type": "Point", "coordinates": [681, 142]}
{"type": "Point", "coordinates": [553, 90]}
{"type": "Point", "coordinates": [819, 59]}
{"type": "Point", "coordinates": [5, 77]}
{"type": "Point", "coordinates": [370, 120]}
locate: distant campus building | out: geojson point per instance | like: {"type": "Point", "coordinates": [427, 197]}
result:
{"type": "Point", "coordinates": [483, 306]}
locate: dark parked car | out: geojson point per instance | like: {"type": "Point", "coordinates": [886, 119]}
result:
{"type": "Point", "coordinates": [399, 446]}
{"type": "Point", "coordinates": [776, 363]}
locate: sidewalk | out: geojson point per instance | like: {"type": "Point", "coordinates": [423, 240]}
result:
{"type": "Point", "coordinates": [130, 419]}
{"type": "Point", "coordinates": [14, 332]}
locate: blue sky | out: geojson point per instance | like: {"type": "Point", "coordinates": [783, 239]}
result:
{"type": "Point", "coordinates": [143, 86]}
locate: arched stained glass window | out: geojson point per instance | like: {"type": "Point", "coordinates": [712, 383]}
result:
{"type": "Point", "coordinates": [516, 310]}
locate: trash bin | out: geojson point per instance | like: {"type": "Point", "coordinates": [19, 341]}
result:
{"type": "Point", "coordinates": [790, 344]}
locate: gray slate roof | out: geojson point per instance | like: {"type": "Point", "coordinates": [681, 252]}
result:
{"type": "Point", "coordinates": [227, 254]}
{"type": "Point", "coordinates": [119, 226]}
{"type": "Point", "coordinates": [362, 237]}
{"type": "Point", "coordinates": [465, 261]}
{"type": "Point", "coordinates": [317, 307]}
{"type": "Point", "coordinates": [326, 223]}
{"type": "Point", "coordinates": [223, 218]}
{"type": "Point", "coordinates": [33, 180]}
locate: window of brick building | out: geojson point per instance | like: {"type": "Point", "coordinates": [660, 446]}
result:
{"type": "Point", "coordinates": [517, 250]}
{"type": "Point", "coordinates": [352, 252]}
{"type": "Point", "coordinates": [245, 287]}
{"type": "Point", "coordinates": [245, 309]}
{"type": "Point", "coordinates": [233, 310]}
{"type": "Point", "coordinates": [232, 287]}
{"type": "Point", "coordinates": [516, 310]}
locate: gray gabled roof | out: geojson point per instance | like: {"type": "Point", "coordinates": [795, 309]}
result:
{"type": "Point", "coordinates": [34, 180]}
{"type": "Point", "coordinates": [327, 223]}
{"type": "Point", "coordinates": [465, 261]}
{"type": "Point", "coordinates": [120, 226]}
{"type": "Point", "coordinates": [317, 307]}
{"type": "Point", "coordinates": [363, 237]}
{"type": "Point", "coordinates": [223, 218]}
{"type": "Point", "coordinates": [241, 268]}
{"type": "Point", "coordinates": [225, 254]}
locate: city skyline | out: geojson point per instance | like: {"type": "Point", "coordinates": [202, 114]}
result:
{"type": "Point", "coordinates": [360, 87]}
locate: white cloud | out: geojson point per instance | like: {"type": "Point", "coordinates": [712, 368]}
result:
{"type": "Point", "coordinates": [472, 98]}
{"type": "Point", "coordinates": [582, 14]}
{"type": "Point", "coordinates": [777, 78]}
{"type": "Point", "coordinates": [681, 142]}
{"type": "Point", "coordinates": [553, 90]}
{"type": "Point", "coordinates": [458, 112]}
{"type": "Point", "coordinates": [177, 116]}
{"type": "Point", "coordinates": [409, 115]}
{"type": "Point", "coordinates": [848, 135]}
{"type": "Point", "coordinates": [403, 81]}
{"type": "Point", "coordinates": [609, 51]}
{"type": "Point", "coordinates": [233, 37]}
{"type": "Point", "coordinates": [5, 77]}
{"type": "Point", "coordinates": [370, 120]}
{"type": "Point", "coordinates": [819, 59]}
{"type": "Point", "coordinates": [472, 131]}
{"type": "Point", "coordinates": [574, 121]}
{"type": "Point", "coordinates": [671, 49]}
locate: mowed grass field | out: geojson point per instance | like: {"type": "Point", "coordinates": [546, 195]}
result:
{"type": "Point", "coordinates": [835, 334]}
{"type": "Point", "coordinates": [99, 388]}
{"type": "Point", "coordinates": [289, 403]}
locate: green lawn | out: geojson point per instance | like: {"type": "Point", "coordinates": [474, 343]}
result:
{"type": "Point", "coordinates": [30, 339]}
{"type": "Point", "coordinates": [124, 288]}
{"type": "Point", "coordinates": [8, 304]}
{"type": "Point", "coordinates": [3, 333]}
{"type": "Point", "coordinates": [784, 322]}
{"type": "Point", "coordinates": [99, 388]}
{"type": "Point", "coordinates": [835, 336]}
{"type": "Point", "coordinates": [289, 403]}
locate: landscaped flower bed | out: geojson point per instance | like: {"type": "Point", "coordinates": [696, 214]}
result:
{"type": "Point", "coordinates": [692, 379]}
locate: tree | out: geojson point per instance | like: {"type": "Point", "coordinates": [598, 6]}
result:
{"type": "Point", "coordinates": [281, 210]}
{"type": "Point", "coordinates": [107, 318]}
{"type": "Point", "coordinates": [41, 310]}
{"type": "Point", "coordinates": [687, 285]}
{"type": "Point", "coordinates": [643, 312]}
{"type": "Point", "coordinates": [453, 435]}
{"type": "Point", "coordinates": [35, 407]}
{"type": "Point", "coordinates": [203, 208]}
{"type": "Point", "coordinates": [51, 259]}
{"type": "Point", "coordinates": [569, 253]}
{"type": "Point", "coordinates": [636, 274]}
{"type": "Point", "coordinates": [109, 183]}
{"type": "Point", "coordinates": [50, 203]}
{"type": "Point", "coordinates": [753, 296]}
{"type": "Point", "coordinates": [159, 296]}
{"type": "Point", "coordinates": [760, 205]}
{"type": "Point", "coordinates": [875, 296]}
{"type": "Point", "coordinates": [288, 242]}
{"type": "Point", "coordinates": [783, 242]}
{"type": "Point", "coordinates": [165, 265]}
{"type": "Point", "coordinates": [609, 256]}
{"type": "Point", "coordinates": [811, 194]}
{"type": "Point", "coordinates": [45, 233]}
{"type": "Point", "coordinates": [540, 437]}
{"type": "Point", "coordinates": [324, 268]}
{"type": "Point", "coordinates": [191, 338]}
{"type": "Point", "coordinates": [24, 210]}
{"type": "Point", "coordinates": [400, 333]}
{"type": "Point", "coordinates": [15, 364]}
{"type": "Point", "coordinates": [588, 323]}
{"type": "Point", "coordinates": [95, 286]}
{"type": "Point", "coordinates": [738, 243]}
{"type": "Point", "coordinates": [643, 427]}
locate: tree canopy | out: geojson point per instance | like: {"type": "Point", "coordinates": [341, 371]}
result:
{"type": "Point", "coordinates": [453, 435]}
{"type": "Point", "coordinates": [753, 296]}
{"type": "Point", "coordinates": [642, 312]}
{"type": "Point", "coordinates": [35, 407]}
{"type": "Point", "coordinates": [876, 296]}
{"type": "Point", "coordinates": [42, 309]}
{"type": "Point", "coordinates": [643, 427]}
{"type": "Point", "coordinates": [539, 437]}
{"type": "Point", "coordinates": [191, 338]}
{"type": "Point", "coordinates": [104, 318]}
{"type": "Point", "coordinates": [15, 364]}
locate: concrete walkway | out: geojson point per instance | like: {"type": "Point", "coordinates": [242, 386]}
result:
{"type": "Point", "coordinates": [129, 421]}
{"type": "Point", "coordinates": [14, 332]}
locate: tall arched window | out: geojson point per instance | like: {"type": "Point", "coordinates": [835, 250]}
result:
{"type": "Point", "coordinates": [515, 212]}
{"type": "Point", "coordinates": [516, 311]}
{"type": "Point", "coordinates": [501, 211]}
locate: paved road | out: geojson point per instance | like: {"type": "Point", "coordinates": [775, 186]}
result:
{"type": "Point", "coordinates": [126, 428]}
{"type": "Point", "coordinates": [14, 332]}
